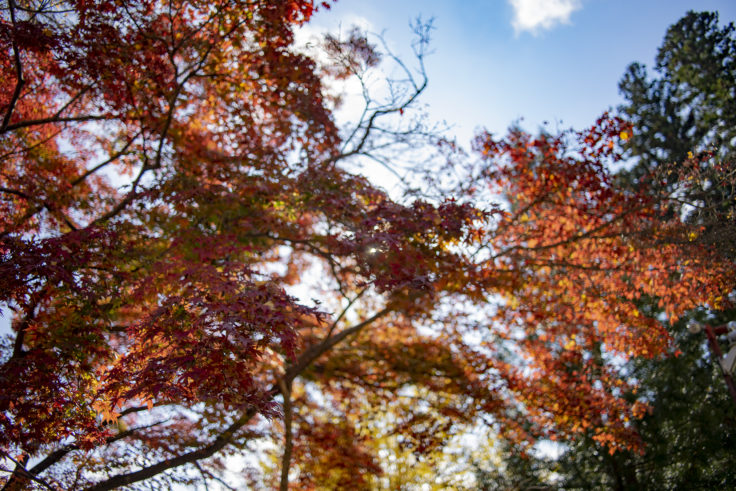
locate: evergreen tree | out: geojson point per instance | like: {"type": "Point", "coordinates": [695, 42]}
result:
{"type": "Point", "coordinates": [690, 106]}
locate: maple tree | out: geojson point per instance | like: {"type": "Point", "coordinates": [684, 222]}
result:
{"type": "Point", "coordinates": [171, 169]}
{"type": "Point", "coordinates": [682, 135]}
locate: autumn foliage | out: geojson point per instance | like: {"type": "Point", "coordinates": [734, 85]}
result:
{"type": "Point", "coordinates": [170, 170]}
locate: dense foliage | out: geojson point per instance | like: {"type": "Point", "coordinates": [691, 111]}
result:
{"type": "Point", "coordinates": [194, 269]}
{"type": "Point", "coordinates": [689, 105]}
{"type": "Point", "coordinates": [683, 136]}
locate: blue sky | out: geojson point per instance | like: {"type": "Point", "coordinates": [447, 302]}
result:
{"type": "Point", "coordinates": [496, 61]}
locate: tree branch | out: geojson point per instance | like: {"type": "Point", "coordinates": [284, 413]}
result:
{"type": "Point", "coordinates": [59, 454]}
{"type": "Point", "coordinates": [19, 479]}
{"type": "Point", "coordinates": [54, 119]}
{"type": "Point", "coordinates": [109, 160]}
{"type": "Point", "coordinates": [227, 436]}
{"type": "Point", "coordinates": [18, 73]}
{"type": "Point", "coordinates": [190, 457]}
{"type": "Point", "coordinates": [317, 350]}
{"type": "Point", "coordinates": [285, 386]}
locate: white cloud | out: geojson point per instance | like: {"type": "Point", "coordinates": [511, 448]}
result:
{"type": "Point", "coordinates": [535, 15]}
